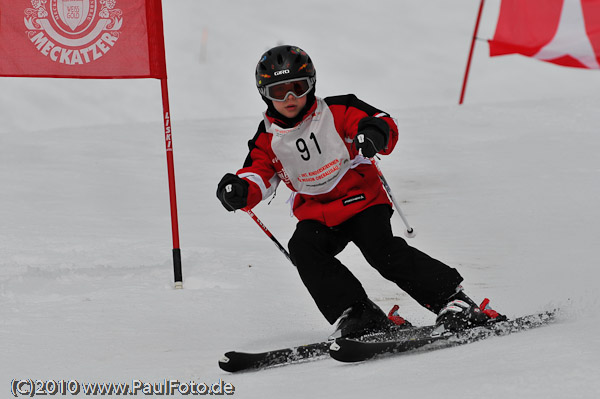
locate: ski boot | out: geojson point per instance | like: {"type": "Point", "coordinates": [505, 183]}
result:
{"type": "Point", "coordinates": [461, 312]}
{"type": "Point", "coordinates": [365, 317]}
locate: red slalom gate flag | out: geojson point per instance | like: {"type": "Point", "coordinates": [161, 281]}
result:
{"type": "Point", "coordinates": [82, 39]}
{"type": "Point", "coordinates": [99, 39]}
{"type": "Point", "coordinates": [564, 32]}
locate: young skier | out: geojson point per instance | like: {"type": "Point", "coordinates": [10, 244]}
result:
{"type": "Point", "coordinates": [320, 148]}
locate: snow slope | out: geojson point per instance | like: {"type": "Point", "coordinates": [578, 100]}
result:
{"type": "Point", "coordinates": [505, 188]}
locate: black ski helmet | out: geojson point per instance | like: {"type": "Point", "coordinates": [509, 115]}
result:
{"type": "Point", "coordinates": [283, 63]}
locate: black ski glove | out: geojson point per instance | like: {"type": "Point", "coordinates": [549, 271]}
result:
{"type": "Point", "coordinates": [372, 137]}
{"type": "Point", "coordinates": [232, 191]}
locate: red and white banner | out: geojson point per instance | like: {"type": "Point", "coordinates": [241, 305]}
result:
{"type": "Point", "coordinates": [99, 39]}
{"type": "Point", "coordinates": [564, 32]}
{"type": "Point", "coordinates": [82, 39]}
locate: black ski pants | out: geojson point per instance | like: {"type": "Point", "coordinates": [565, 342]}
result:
{"type": "Point", "coordinates": [334, 288]}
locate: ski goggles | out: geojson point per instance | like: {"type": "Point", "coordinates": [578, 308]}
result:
{"type": "Point", "coordinates": [280, 90]}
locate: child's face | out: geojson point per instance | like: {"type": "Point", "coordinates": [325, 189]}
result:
{"type": "Point", "coordinates": [291, 106]}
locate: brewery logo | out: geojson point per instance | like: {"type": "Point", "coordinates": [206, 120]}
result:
{"type": "Point", "coordinates": [73, 32]}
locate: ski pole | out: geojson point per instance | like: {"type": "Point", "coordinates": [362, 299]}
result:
{"type": "Point", "coordinates": [410, 232]}
{"type": "Point", "coordinates": [269, 234]}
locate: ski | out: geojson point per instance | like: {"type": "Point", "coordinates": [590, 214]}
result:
{"type": "Point", "coordinates": [377, 344]}
{"type": "Point", "coordinates": [356, 350]}
{"type": "Point", "coordinates": [236, 361]}
{"type": "Point", "coordinates": [240, 361]}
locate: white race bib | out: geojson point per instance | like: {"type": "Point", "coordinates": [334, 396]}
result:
{"type": "Point", "coordinates": [313, 154]}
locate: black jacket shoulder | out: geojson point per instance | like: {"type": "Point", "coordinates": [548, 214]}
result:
{"type": "Point", "coordinates": [252, 143]}
{"type": "Point", "coordinates": [350, 100]}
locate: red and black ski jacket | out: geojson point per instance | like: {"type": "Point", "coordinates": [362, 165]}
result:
{"type": "Point", "coordinates": [317, 160]}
